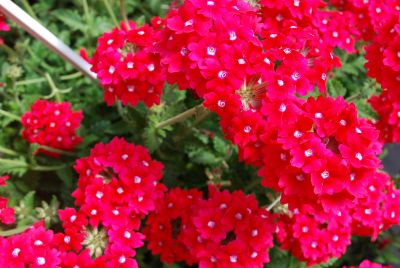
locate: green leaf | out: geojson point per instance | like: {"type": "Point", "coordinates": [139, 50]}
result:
{"type": "Point", "coordinates": [16, 167]}
{"type": "Point", "coordinates": [336, 88]}
{"type": "Point", "coordinates": [202, 156]}
{"type": "Point", "coordinates": [220, 145]}
{"type": "Point", "coordinates": [29, 200]}
{"type": "Point", "coordinates": [71, 18]}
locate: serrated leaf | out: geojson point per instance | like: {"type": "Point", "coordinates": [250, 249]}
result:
{"type": "Point", "coordinates": [220, 145]}
{"type": "Point", "coordinates": [71, 18]}
{"type": "Point", "coordinates": [17, 167]}
{"type": "Point", "coordinates": [202, 156]}
{"type": "Point", "coordinates": [365, 110]}
{"type": "Point", "coordinates": [336, 88]}
{"type": "Point", "coordinates": [151, 140]}
{"type": "Point", "coordinates": [328, 264]}
{"type": "Point", "coordinates": [29, 200]}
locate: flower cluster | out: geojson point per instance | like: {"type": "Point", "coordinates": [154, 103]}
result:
{"type": "Point", "coordinates": [248, 66]}
{"type": "Point", "coordinates": [127, 66]}
{"type": "Point", "coordinates": [3, 26]}
{"type": "Point", "coordinates": [118, 185]}
{"type": "Point", "coordinates": [224, 230]}
{"type": "Point", "coordinates": [312, 237]}
{"type": "Point", "coordinates": [52, 124]}
{"type": "Point", "coordinates": [389, 117]}
{"type": "Point", "coordinates": [6, 213]}
{"type": "Point", "coordinates": [378, 23]}
{"type": "Point", "coordinates": [369, 264]}
{"type": "Point", "coordinates": [34, 248]}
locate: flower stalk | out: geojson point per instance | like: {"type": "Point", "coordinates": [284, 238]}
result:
{"type": "Point", "coordinates": [182, 116]}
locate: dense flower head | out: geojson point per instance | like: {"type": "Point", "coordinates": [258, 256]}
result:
{"type": "Point", "coordinates": [224, 230]}
{"type": "Point", "coordinates": [53, 124]}
{"type": "Point", "coordinates": [389, 117]}
{"type": "Point", "coordinates": [6, 213]}
{"type": "Point", "coordinates": [3, 26]}
{"type": "Point", "coordinates": [369, 264]}
{"type": "Point", "coordinates": [119, 181]}
{"type": "Point", "coordinates": [32, 248]}
{"type": "Point", "coordinates": [126, 65]}
{"type": "Point", "coordinates": [313, 237]}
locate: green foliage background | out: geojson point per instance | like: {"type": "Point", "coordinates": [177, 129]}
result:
{"type": "Point", "coordinates": [194, 152]}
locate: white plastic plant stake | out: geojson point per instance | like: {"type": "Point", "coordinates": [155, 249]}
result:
{"type": "Point", "coordinates": [22, 19]}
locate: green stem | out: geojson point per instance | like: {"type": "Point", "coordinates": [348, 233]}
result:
{"type": "Point", "coordinates": [10, 115]}
{"type": "Point", "coordinates": [8, 49]}
{"type": "Point", "coordinates": [29, 9]}
{"type": "Point", "coordinates": [273, 204]}
{"type": "Point", "coordinates": [111, 12]}
{"type": "Point", "coordinates": [86, 10]}
{"type": "Point", "coordinates": [14, 231]}
{"type": "Point", "coordinates": [123, 12]}
{"type": "Point", "coordinates": [46, 168]}
{"type": "Point", "coordinates": [42, 79]}
{"type": "Point", "coordinates": [71, 76]}
{"type": "Point", "coordinates": [353, 97]}
{"type": "Point", "coordinates": [252, 185]}
{"type": "Point", "coordinates": [8, 151]}
{"type": "Point", "coordinates": [14, 162]}
{"type": "Point", "coordinates": [54, 89]}
{"type": "Point", "coordinates": [30, 81]}
{"type": "Point", "coordinates": [55, 150]}
{"type": "Point", "coordinates": [181, 117]}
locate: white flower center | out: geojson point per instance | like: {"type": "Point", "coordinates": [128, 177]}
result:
{"type": "Point", "coordinates": [233, 258]}
{"type": "Point", "coordinates": [221, 103]}
{"type": "Point", "coordinates": [297, 134]}
{"type": "Point", "coordinates": [211, 51]}
{"type": "Point", "coordinates": [222, 74]}
{"type": "Point", "coordinates": [325, 174]}
{"type": "Point", "coordinates": [99, 195]}
{"type": "Point", "coordinates": [188, 23]}
{"type": "Point", "coordinates": [295, 76]}
{"type": "Point", "coordinates": [16, 252]}
{"type": "Point", "coordinates": [318, 115]}
{"type": "Point", "coordinates": [67, 239]}
{"type": "Point", "coordinates": [150, 67]}
{"type": "Point", "coordinates": [232, 35]}
{"type": "Point", "coordinates": [127, 235]}
{"type": "Point", "coordinates": [308, 153]}
{"type": "Point", "coordinates": [254, 233]}
{"type": "Point", "coordinates": [40, 261]}
{"type": "Point", "coordinates": [241, 61]}
{"type": "Point", "coordinates": [137, 179]}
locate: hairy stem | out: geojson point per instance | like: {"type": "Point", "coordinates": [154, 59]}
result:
{"type": "Point", "coordinates": [55, 150]}
{"type": "Point", "coordinates": [181, 117]}
{"type": "Point", "coordinates": [111, 12]}
{"type": "Point", "coordinates": [7, 151]}
{"type": "Point", "coordinates": [14, 231]}
{"type": "Point", "coordinates": [123, 12]}
{"type": "Point", "coordinates": [10, 115]}
{"type": "Point", "coordinates": [273, 204]}
{"type": "Point", "coordinates": [29, 9]}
